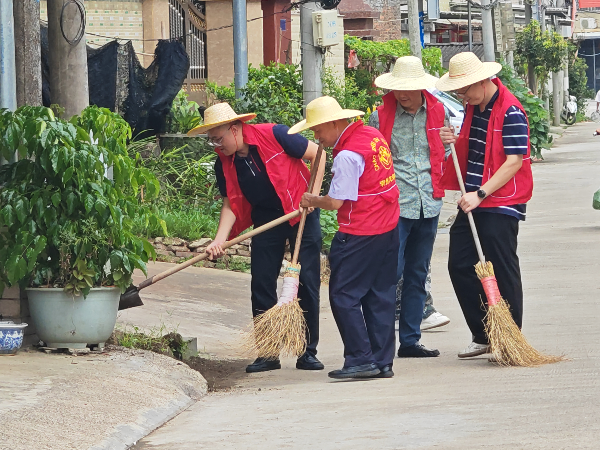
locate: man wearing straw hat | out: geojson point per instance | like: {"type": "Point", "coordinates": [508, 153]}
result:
{"type": "Point", "coordinates": [364, 252]}
{"type": "Point", "coordinates": [410, 119]}
{"type": "Point", "coordinates": [261, 176]}
{"type": "Point", "coordinates": [493, 150]}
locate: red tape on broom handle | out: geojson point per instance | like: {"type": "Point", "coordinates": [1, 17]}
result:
{"type": "Point", "coordinates": [469, 214]}
{"type": "Point", "coordinates": [313, 176]}
{"type": "Point", "coordinates": [492, 293]}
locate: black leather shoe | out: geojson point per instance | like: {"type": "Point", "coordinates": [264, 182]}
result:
{"type": "Point", "coordinates": [362, 371]}
{"type": "Point", "coordinates": [263, 365]}
{"type": "Point", "coordinates": [385, 372]}
{"type": "Point", "coordinates": [417, 351]}
{"type": "Point", "coordinates": [309, 362]}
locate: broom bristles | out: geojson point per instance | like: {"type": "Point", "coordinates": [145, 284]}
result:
{"type": "Point", "coordinates": [280, 331]}
{"type": "Point", "coordinates": [508, 344]}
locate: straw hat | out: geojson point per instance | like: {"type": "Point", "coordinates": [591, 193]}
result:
{"type": "Point", "coordinates": [218, 115]}
{"type": "Point", "coordinates": [408, 75]}
{"type": "Point", "coordinates": [322, 110]}
{"type": "Point", "coordinates": [466, 69]}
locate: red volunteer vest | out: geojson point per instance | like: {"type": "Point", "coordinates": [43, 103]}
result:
{"type": "Point", "coordinates": [435, 120]}
{"type": "Point", "coordinates": [289, 175]}
{"type": "Point", "coordinates": [519, 188]}
{"type": "Point", "coordinates": [377, 210]}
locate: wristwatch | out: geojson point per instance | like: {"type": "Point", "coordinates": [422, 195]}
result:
{"type": "Point", "coordinates": [481, 194]}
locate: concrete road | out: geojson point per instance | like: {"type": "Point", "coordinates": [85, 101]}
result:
{"type": "Point", "coordinates": [442, 403]}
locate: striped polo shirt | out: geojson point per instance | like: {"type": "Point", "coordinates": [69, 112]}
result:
{"type": "Point", "coordinates": [515, 140]}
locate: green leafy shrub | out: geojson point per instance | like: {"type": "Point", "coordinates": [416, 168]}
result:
{"type": "Point", "coordinates": [63, 222]}
{"type": "Point", "coordinates": [345, 91]}
{"type": "Point", "coordinates": [186, 173]}
{"type": "Point", "coordinates": [329, 227]}
{"type": "Point", "coordinates": [273, 92]}
{"type": "Point", "coordinates": [377, 58]}
{"type": "Point", "coordinates": [189, 201]}
{"type": "Point", "coordinates": [184, 114]}
{"type": "Point", "coordinates": [534, 108]}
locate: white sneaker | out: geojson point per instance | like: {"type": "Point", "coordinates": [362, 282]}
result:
{"type": "Point", "coordinates": [474, 349]}
{"type": "Point", "coordinates": [433, 321]}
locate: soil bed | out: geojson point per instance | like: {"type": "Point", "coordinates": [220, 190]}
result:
{"type": "Point", "coordinates": [220, 374]}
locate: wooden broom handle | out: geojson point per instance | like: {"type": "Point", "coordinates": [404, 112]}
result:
{"type": "Point", "coordinates": [311, 184]}
{"type": "Point", "coordinates": [469, 214]}
{"type": "Point", "coordinates": [203, 256]}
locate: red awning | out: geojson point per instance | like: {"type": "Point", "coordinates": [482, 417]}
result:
{"type": "Point", "coordinates": [589, 4]}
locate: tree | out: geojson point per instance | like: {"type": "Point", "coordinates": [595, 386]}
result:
{"type": "Point", "coordinates": [544, 50]}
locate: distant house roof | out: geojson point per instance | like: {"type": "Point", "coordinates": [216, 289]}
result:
{"type": "Point", "coordinates": [452, 48]}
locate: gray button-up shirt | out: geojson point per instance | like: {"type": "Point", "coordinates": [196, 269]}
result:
{"type": "Point", "coordinates": [410, 150]}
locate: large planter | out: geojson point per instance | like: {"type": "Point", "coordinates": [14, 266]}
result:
{"type": "Point", "coordinates": [65, 321]}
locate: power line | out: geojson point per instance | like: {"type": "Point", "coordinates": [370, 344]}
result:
{"type": "Point", "coordinates": [179, 38]}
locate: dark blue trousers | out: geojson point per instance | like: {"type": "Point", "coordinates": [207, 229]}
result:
{"type": "Point", "coordinates": [362, 292]}
{"type": "Point", "coordinates": [417, 237]}
{"type": "Point", "coordinates": [268, 249]}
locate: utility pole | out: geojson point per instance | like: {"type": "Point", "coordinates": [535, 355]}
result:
{"type": "Point", "coordinates": [557, 81]}
{"type": "Point", "coordinates": [8, 81]}
{"type": "Point", "coordinates": [28, 54]}
{"type": "Point", "coordinates": [542, 12]}
{"type": "Point", "coordinates": [530, 69]}
{"type": "Point", "coordinates": [470, 28]}
{"type": "Point", "coordinates": [240, 45]}
{"type": "Point", "coordinates": [312, 56]}
{"type": "Point", "coordinates": [67, 59]}
{"type": "Point", "coordinates": [487, 29]}
{"type": "Point", "coordinates": [414, 28]}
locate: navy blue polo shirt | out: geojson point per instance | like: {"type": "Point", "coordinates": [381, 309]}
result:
{"type": "Point", "coordinates": [254, 180]}
{"type": "Point", "coordinates": [515, 139]}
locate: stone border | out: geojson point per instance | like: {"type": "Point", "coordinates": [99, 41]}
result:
{"type": "Point", "coordinates": [174, 250]}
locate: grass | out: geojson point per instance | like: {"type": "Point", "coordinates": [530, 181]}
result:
{"type": "Point", "coordinates": [156, 340]}
{"type": "Point", "coordinates": [188, 224]}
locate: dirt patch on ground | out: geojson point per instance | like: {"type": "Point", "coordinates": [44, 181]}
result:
{"type": "Point", "coordinates": [220, 374]}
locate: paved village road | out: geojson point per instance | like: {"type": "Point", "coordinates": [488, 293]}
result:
{"type": "Point", "coordinates": [441, 403]}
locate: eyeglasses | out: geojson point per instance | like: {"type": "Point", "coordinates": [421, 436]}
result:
{"type": "Point", "coordinates": [462, 94]}
{"type": "Point", "coordinates": [217, 142]}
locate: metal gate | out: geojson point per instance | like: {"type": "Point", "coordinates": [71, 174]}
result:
{"type": "Point", "coordinates": [188, 23]}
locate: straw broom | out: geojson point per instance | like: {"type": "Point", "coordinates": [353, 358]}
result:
{"type": "Point", "coordinates": [281, 331]}
{"type": "Point", "coordinates": [509, 346]}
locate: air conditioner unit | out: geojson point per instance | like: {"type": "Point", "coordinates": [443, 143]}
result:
{"type": "Point", "coordinates": [588, 23]}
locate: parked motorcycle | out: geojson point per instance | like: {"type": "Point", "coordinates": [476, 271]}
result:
{"type": "Point", "coordinates": [569, 111]}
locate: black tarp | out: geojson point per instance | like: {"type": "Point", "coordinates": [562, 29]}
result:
{"type": "Point", "coordinates": [119, 82]}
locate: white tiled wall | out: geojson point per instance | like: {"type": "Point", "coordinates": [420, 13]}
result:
{"type": "Point", "coordinates": [111, 19]}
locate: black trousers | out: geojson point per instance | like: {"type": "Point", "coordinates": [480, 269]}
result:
{"type": "Point", "coordinates": [498, 235]}
{"type": "Point", "coordinates": [362, 292]}
{"type": "Point", "coordinates": [268, 249]}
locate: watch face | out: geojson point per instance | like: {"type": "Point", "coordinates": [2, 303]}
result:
{"type": "Point", "coordinates": [481, 193]}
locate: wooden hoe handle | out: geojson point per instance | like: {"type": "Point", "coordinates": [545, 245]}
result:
{"type": "Point", "coordinates": [225, 245]}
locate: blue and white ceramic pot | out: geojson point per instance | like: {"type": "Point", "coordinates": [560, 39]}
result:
{"type": "Point", "coordinates": [11, 337]}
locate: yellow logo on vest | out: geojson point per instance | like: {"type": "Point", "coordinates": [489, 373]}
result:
{"type": "Point", "coordinates": [382, 153]}
{"type": "Point", "coordinates": [388, 180]}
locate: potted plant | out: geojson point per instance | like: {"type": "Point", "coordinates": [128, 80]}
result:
{"type": "Point", "coordinates": [66, 213]}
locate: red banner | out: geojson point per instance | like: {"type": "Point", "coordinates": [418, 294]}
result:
{"type": "Point", "coordinates": [589, 4]}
